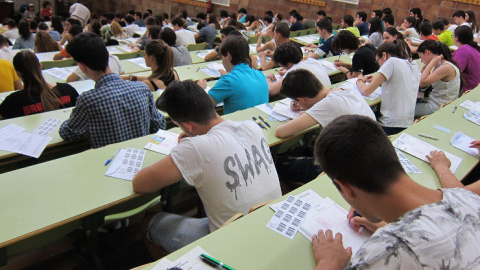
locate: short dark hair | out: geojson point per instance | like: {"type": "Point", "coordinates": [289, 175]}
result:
{"type": "Point", "coordinates": [362, 15]}
{"type": "Point", "coordinates": [348, 19]}
{"type": "Point", "coordinates": [279, 16]}
{"type": "Point", "coordinates": [438, 24]}
{"type": "Point", "coordinates": [325, 24]}
{"type": "Point", "coordinates": [88, 48]}
{"type": "Point", "coordinates": [154, 31]}
{"type": "Point", "coordinates": [118, 15]}
{"type": "Point", "coordinates": [355, 149]}
{"type": "Point", "coordinates": [138, 14]}
{"type": "Point", "coordinates": [129, 19]}
{"type": "Point", "coordinates": [300, 83]}
{"type": "Point", "coordinates": [168, 36]}
{"type": "Point", "coordinates": [387, 11]}
{"type": "Point", "coordinates": [425, 29]}
{"type": "Point", "coordinates": [416, 11]}
{"type": "Point", "coordinates": [321, 13]}
{"type": "Point", "coordinates": [227, 29]}
{"type": "Point", "coordinates": [223, 13]}
{"type": "Point", "coordinates": [269, 13]}
{"type": "Point", "coordinates": [459, 13]}
{"type": "Point", "coordinates": [131, 12]}
{"type": "Point", "coordinates": [378, 13]}
{"type": "Point", "coordinates": [202, 16]}
{"type": "Point", "coordinates": [345, 40]}
{"type": "Point", "coordinates": [183, 14]}
{"type": "Point", "coordinates": [283, 29]}
{"type": "Point", "coordinates": [150, 21]}
{"type": "Point", "coordinates": [186, 101]}
{"type": "Point", "coordinates": [388, 18]}
{"type": "Point", "coordinates": [411, 20]}
{"type": "Point", "coordinates": [33, 25]}
{"type": "Point", "coordinates": [287, 53]}
{"type": "Point", "coordinates": [45, 4]}
{"type": "Point", "coordinates": [73, 21]}
{"type": "Point", "coordinates": [242, 10]}
{"type": "Point", "coordinates": [268, 19]}
{"type": "Point", "coordinates": [110, 16]}
{"type": "Point", "coordinates": [3, 41]}
{"type": "Point", "coordinates": [42, 26]}
{"type": "Point", "coordinates": [150, 11]}
{"type": "Point", "coordinates": [178, 21]}
{"type": "Point", "coordinates": [11, 23]}
{"type": "Point", "coordinates": [238, 48]}
{"type": "Point", "coordinates": [293, 12]}
{"type": "Point", "coordinates": [445, 21]}
{"type": "Point", "coordinates": [201, 25]}
{"type": "Point", "coordinates": [75, 30]}
{"type": "Point", "coordinates": [146, 15]}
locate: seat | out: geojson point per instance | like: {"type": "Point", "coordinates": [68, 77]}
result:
{"type": "Point", "coordinates": [445, 104]}
{"type": "Point", "coordinates": [123, 56]}
{"type": "Point", "coordinates": [197, 47]}
{"type": "Point", "coordinates": [260, 205]}
{"type": "Point", "coordinates": [294, 33]}
{"type": "Point", "coordinates": [420, 119]}
{"type": "Point", "coordinates": [304, 32]}
{"type": "Point", "coordinates": [58, 63]}
{"type": "Point", "coordinates": [232, 219]}
{"type": "Point", "coordinates": [312, 31]}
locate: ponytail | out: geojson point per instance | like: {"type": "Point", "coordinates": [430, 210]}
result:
{"type": "Point", "coordinates": [397, 48]}
{"type": "Point", "coordinates": [465, 36]}
{"type": "Point", "coordinates": [438, 48]}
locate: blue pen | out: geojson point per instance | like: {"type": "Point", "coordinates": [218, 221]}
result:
{"type": "Point", "coordinates": [263, 120]}
{"type": "Point", "coordinates": [259, 124]}
{"type": "Point", "coordinates": [110, 159]}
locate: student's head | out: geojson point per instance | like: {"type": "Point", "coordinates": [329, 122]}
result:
{"type": "Point", "coordinates": [201, 17]}
{"type": "Point", "coordinates": [469, 16]}
{"type": "Point", "coordinates": [429, 49]}
{"type": "Point", "coordinates": [129, 19]}
{"type": "Point", "coordinates": [201, 25]}
{"type": "Point", "coordinates": [168, 36]}
{"type": "Point", "coordinates": [242, 11]}
{"type": "Point", "coordinates": [149, 11]}
{"type": "Point", "coordinates": [224, 32]}
{"type": "Point", "coordinates": [185, 102]}
{"type": "Point", "coordinates": [33, 26]}
{"type": "Point", "coordinates": [269, 13]}
{"type": "Point", "coordinates": [118, 17]}
{"type": "Point", "coordinates": [282, 31]}
{"type": "Point", "coordinates": [43, 26]}
{"type": "Point", "coordinates": [295, 17]}
{"type": "Point", "coordinates": [146, 15]}
{"type": "Point", "coordinates": [355, 153]}
{"type": "Point", "coordinates": [361, 15]}
{"type": "Point", "coordinates": [320, 15]}
{"type": "Point", "coordinates": [223, 14]}
{"type": "Point", "coordinates": [408, 22]}
{"type": "Point", "coordinates": [375, 26]}
{"type": "Point", "coordinates": [234, 50]}
{"type": "Point", "coordinates": [250, 19]}
{"type": "Point", "coordinates": [391, 34]}
{"type": "Point", "coordinates": [110, 16]}
{"type": "Point", "coordinates": [377, 13]}
{"type": "Point", "coordinates": [464, 36]}
{"type": "Point", "coordinates": [31, 7]}
{"type": "Point", "coordinates": [116, 29]}
{"type": "Point", "coordinates": [138, 15]}
{"type": "Point", "coordinates": [11, 24]}
{"type": "Point", "coordinates": [268, 19]}
{"type": "Point", "coordinates": [24, 29]}
{"type": "Point", "coordinates": [75, 30]}
{"type": "Point", "coordinates": [159, 56]}
{"type": "Point", "coordinates": [46, 4]}
{"type": "Point", "coordinates": [437, 26]}
{"type": "Point", "coordinates": [44, 42]}
{"type": "Point", "coordinates": [287, 55]}
{"type": "Point", "coordinates": [397, 48]}
{"type": "Point", "coordinates": [69, 22]}
{"type": "Point", "coordinates": [3, 42]}
{"type": "Point", "coordinates": [183, 14]}
{"type": "Point", "coordinates": [149, 21]}
{"type": "Point", "coordinates": [416, 13]}
{"type": "Point", "coordinates": [95, 27]}
{"type": "Point", "coordinates": [88, 50]}
{"type": "Point", "coordinates": [425, 30]}
{"type": "Point", "coordinates": [301, 86]}
{"type": "Point", "coordinates": [459, 17]}
{"type": "Point", "coordinates": [345, 41]}
{"type": "Point", "coordinates": [178, 23]}
{"type": "Point", "coordinates": [324, 28]}
{"type": "Point", "coordinates": [388, 20]}
{"type": "Point", "coordinates": [154, 32]}
{"type": "Point", "coordinates": [278, 17]}
{"type": "Point", "coordinates": [387, 11]}
{"type": "Point", "coordinates": [347, 21]}
{"type": "Point", "coordinates": [131, 12]}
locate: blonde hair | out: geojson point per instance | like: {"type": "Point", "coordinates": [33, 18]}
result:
{"type": "Point", "coordinates": [44, 42]}
{"type": "Point", "coordinates": [117, 30]}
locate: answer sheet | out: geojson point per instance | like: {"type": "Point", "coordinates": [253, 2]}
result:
{"type": "Point", "coordinates": [351, 84]}
{"type": "Point", "coordinates": [285, 110]}
{"type": "Point", "coordinates": [462, 142]}
{"type": "Point", "coordinates": [46, 127]}
{"type": "Point", "coordinates": [9, 131]}
{"type": "Point", "coordinates": [266, 108]}
{"type": "Point", "coordinates": [140, 61]}
{"type": "Point", "coordinates": [26, 143]}
{"type": "Point", "coordinates": [126, 164]}
{"type": "Point", "coordinates": [163, 142]}
{"type": "Point", "coordinates": [60, 73]}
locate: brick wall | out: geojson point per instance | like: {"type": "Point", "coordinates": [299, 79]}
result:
{"type": "Point", "coordinates": [430, 8]}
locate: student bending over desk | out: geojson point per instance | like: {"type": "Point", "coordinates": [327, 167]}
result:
{"type": "Point", "coordinates": [428, 229]}
{"type": "Point", "coordinates": [115, 110]}
{"type": "Point", "coordinates": [37, 95]}
{"type": "Point", "coordinates": [209, 157]}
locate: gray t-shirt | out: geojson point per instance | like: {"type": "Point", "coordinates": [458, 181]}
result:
{"type": "Point", "coordinates": [376, 39]}
{"type": "Point", "coordinates": [442, 235]}
{"type": "Point", "coordinates": [181, 56]}
{"type": "Point", "coordinates": [444, 91]}
{"type": "Point", "coordinates": [209, 34]}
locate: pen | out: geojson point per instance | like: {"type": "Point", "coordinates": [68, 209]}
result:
{"type": "Point", "coordinates": [454, 109]}
{"type": "Point", "coordinates": [198, 69]}
{"type": "Point", "coordinates": [263, 120]}
{"type": "Point", "coordinates": [214, 262]}
{"type": "Point", "coordinates": [110, 159]}
{"type": "Point", "coordinates": [259, 124]}
{"type": "Point", "coordinates": [427, 136]}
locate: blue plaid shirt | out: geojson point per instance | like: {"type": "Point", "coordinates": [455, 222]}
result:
{"type": "Point", "coordinates": [115, 111]}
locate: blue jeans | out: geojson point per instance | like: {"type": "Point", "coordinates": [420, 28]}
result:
{"type": "Point", "coordinates": [172, 232]}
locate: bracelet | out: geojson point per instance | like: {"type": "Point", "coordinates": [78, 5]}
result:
{"type": "Point", "coordinates": [442, 174]}
{"type": "Point", "coordinates": [134, 78]}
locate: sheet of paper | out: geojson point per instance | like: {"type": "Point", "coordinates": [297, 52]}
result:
{"type": "Point", "coordinates": [266, 108]}
{"type": "Point", "coordinates": [407, 165]}
{"type": "Point", "coordinates": [253, 47]}
{"type": "Point", "coordinates": [286, 101]}
{"type": "Point", "coordinates": [211, 72]}
{"type": "Point", "coordinates": [462, 142]}
{"type": "Point", "coordinates": [470, 105]}
{"type": "Point", "coordinates": [307, 39]}
{"type": "Point", "coordinates": [329, 215]}
{"type": "Point", "coordinates": [285, 110]}
{"type": "Point", "coordinates": [351, 84]}
{"type": "Point", "coordinates": [472, 116]}
{"type": "Point", "coordinates": [289, 217]}
{"type": "Point", "coordinates": [164, 264]}
{"type": "Point", "coordinates": [215, 66]}
{"type": "Point", "coordinates": [125, 48]}
{"type": "Point", "coordinates": [9, 131]}
{"type": "Point", "coordinates": [202, 54]}
{"type": "Point", "coordinates": [329, 66]}
{"type": "Point", "coordinates": [59, 73]}
{"type": "Point", "coordinates": [190, 261]}
{"type": "Point", "coordinates": [126, 164]}
{"type": "Point", "coordinates": [113, 50]}
{"type": "Point", "coordinates": [421, 149]}
{"type": "Point", "coordinates": [140, 61]}
{"type": "Point", "coordinates": [46, 127]}
{"type": "Point", "coordinates": [163, 142]}
{"type": "Point", "coordinates": [26, 143]}
{"type": "Point", "coordinates": [308, 196]}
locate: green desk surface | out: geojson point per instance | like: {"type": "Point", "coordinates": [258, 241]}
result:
{"type": "Point", "coordinates": [197, 59]}
{"type": "Point", "coordinates": [188, 72]}
{"type": "Point", "coordinates": [130, 67]}
{"type": "Point", "coordinates": [301, 42]}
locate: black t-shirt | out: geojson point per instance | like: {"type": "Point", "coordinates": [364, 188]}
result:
{"type": "Point", "coordinates": [364, 60]}
{"type": "Point", "coordinates": [20, 103]}
{"type": "Point", "coordinates": [297, 26]}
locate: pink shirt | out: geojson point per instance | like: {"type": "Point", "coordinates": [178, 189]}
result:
{"type": "Point", "coordinates": [468, 60]}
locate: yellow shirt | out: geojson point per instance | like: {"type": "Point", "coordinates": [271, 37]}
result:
{"type": "Point", "coordinates": [8, 76]}
{"type": "Point", "coordinates": [354, 30]}
{"type": "Point", "coordinates": [446, 38]}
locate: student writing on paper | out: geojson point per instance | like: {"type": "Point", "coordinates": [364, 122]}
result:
{"type": "Point", "coordinates": [215, 54]}
{"type": "Point", "coordinates": [243, 87]}
{"type": "Point", "coordinates": [210, 156]}
{"type": "Point", "coordinates": [425, 34]}
{"type": "Point", "coordinates": [290, 59]}
{"type": "Point", "coordinates": [399, 77]}
{"type": "Point", "coordinates": [441, 72]}
{"type": "Point", "coordinates": [37, 95]}
{"type": "Point", "coordinates": [115, 110]}
{"type": "Point", "coordinates": [269, 45]}
{"type": "Point", "coordinates": [427, 228]}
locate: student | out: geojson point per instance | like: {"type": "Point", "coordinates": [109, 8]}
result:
{"type": "Point", "coordinates": [242, 15]}
{"type": "Point", "coordinates": [290, 59]}
{"type": "Point", "coordinates": [184, 37]}
{"type": "Point", "coordinates": [387, 11]}
{"type": "Point", "coordinates": [445, 36]}
{"type": "Point", "coordinates": [376, 14]}
{"type": "Point", "coordinates": [322, 105]}
{"type": "Point", "coordinates": [69, 22]}
{"type": "Point", "coordinates": [281, 36]}
{"type": "Point", "coordinates": [208, 156]}
{"type": "Point", "coordinates": [37, 95]}
{"type": "Point", "coordinates": [425, 34]}
{"type": "Point", "coordinates": [207, 33]}
{"type": "Point", "coordinates": [181, 55]}
{"type": "Point", "coordinates": [470, 19]}
{"type": "Point", "coordinates": [138, 19]}
{"type": "Point", "coordinates": [115, 110]}
{"type": "Point", "coordinates": [417, 14]}
{"type": "Point", "coordinates": [117, 31]}
{"type": "Point", "coordinates": [428, 228]}
{"type": "Point", "coordinates": [397, 71]}
{"type": "Point", "coordinates": [347, 24]}
{"type": "Point", "coordinates": [459, 18]}
{"type": "Point", "coordinates": [212, 21]}
{"type": "Point", "coordinates": [391, 34]}
{"type": "Point", "coordinates": [243, 87]}
{"type": "Point", "coordinates": [144, 38]}
{"type": "Point", "coordinates": [321, 15]}
{"type": "Point", "coordinates": [375, 34]}
{"type": "Point", "coordinates": [80, 13]}
{"type": "Point", "coordinates": [29, 14]}
{"type": "Point", "coordinates": [215, 54]}
{"type": "Point", "coordinates": [45, 43]}
{"type": "Point", "coordinates": [74, 30]}
{"type": "Point", "coordinates": [12, 32]}
{"type": "Point", "coordinates": [295, 22]}
{"type": "Point", "coordinates": [361, 23]}
{"type": "Point", "coordinates": [46, 9]}
{"type": "Point", "coordinates": [363, 61]}
{"type": "Point", "coordinates": [9, 80]}
{"type": "Point", "coordinates": [159, 57]}
{"type": "Point", "coordinates": [131, 27]}
{"type": "Point", "coordinates": [223, 17]}
{"type": "Point", "coordinates": [26, 40]}
{"type": "Point", "coordinates": [54, 34]}
{"type": "Point", "coordinates": [388, 21]}
{"type": "Point", "coordinates": [269, 45]}
{"type": "Point", "coordinates": [408, 28]}
{"type": "Point", "coordinates": [467, 56]}
{"type": "Point", "coordinates": [448, 25]}
{"type": "Point", "coordinates": [441, 72]}
{"type": "Point", "coordinates": [5, 52]}
{"type": "Point", "coordinates": [202, 17]}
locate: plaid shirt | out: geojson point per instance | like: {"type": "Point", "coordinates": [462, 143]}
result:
{"type": "Point", "coordinates": [115, 111]}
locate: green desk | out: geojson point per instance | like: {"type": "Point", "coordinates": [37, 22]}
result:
{"type": "Point", "coordinates": [188, 72]}
{"type": "Point", "coordinates": [302, 42]}
{"type": "Point", "coordinates": [197, 59]}
{"type": "Point", "coordinates": [130, 67]}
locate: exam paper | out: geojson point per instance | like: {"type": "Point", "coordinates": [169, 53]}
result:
{"type": "Point", "coordinates": [407, 165]}
{"type": "Point", "coordinates": [288, 218]}
{"type": "Point", "coordinates": [266, 108]}
{"type": "Point", "coordinates": [351, 84]}
{"type": "Point", "coordinates": [462, 142]}
{"type": "Point", "coordinates": [308, 39]}
{"type": "Point", "coordinates": [126, 164]}
{"type": "Point", "coordinates": [163, 142]}
{"type": "Point", "coordinates": [140, 61]}
{"type": "Point", "coordinates": [421, 149]}
{"type": "Point", "coordinates": [26, 143]}
{"type": "Point", "coordinates": [46, 127]}
{"type": "Point", "coordinates": [202, 54]}
{"type": "Point", "coordinates": [329, 215]}
{"type": "Point", "coordinates": [189, 261]}
{"type": "Point", "coordinates": [308, 196]}
{"type": "Point", "coordinates": [285, 110]}
{"type": "Point", "coordinates": [329, 66]}
{"type": "Point", "coordinates": [60, 73]}
{"type": "Point", "coordinates": [472, 116]}
{"type": "Point", "coordinates": [9, 131]}
{"type": "Point", "coordinates": [211, 72]}
{"type": "Point", "coordinates": [470, 105]}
